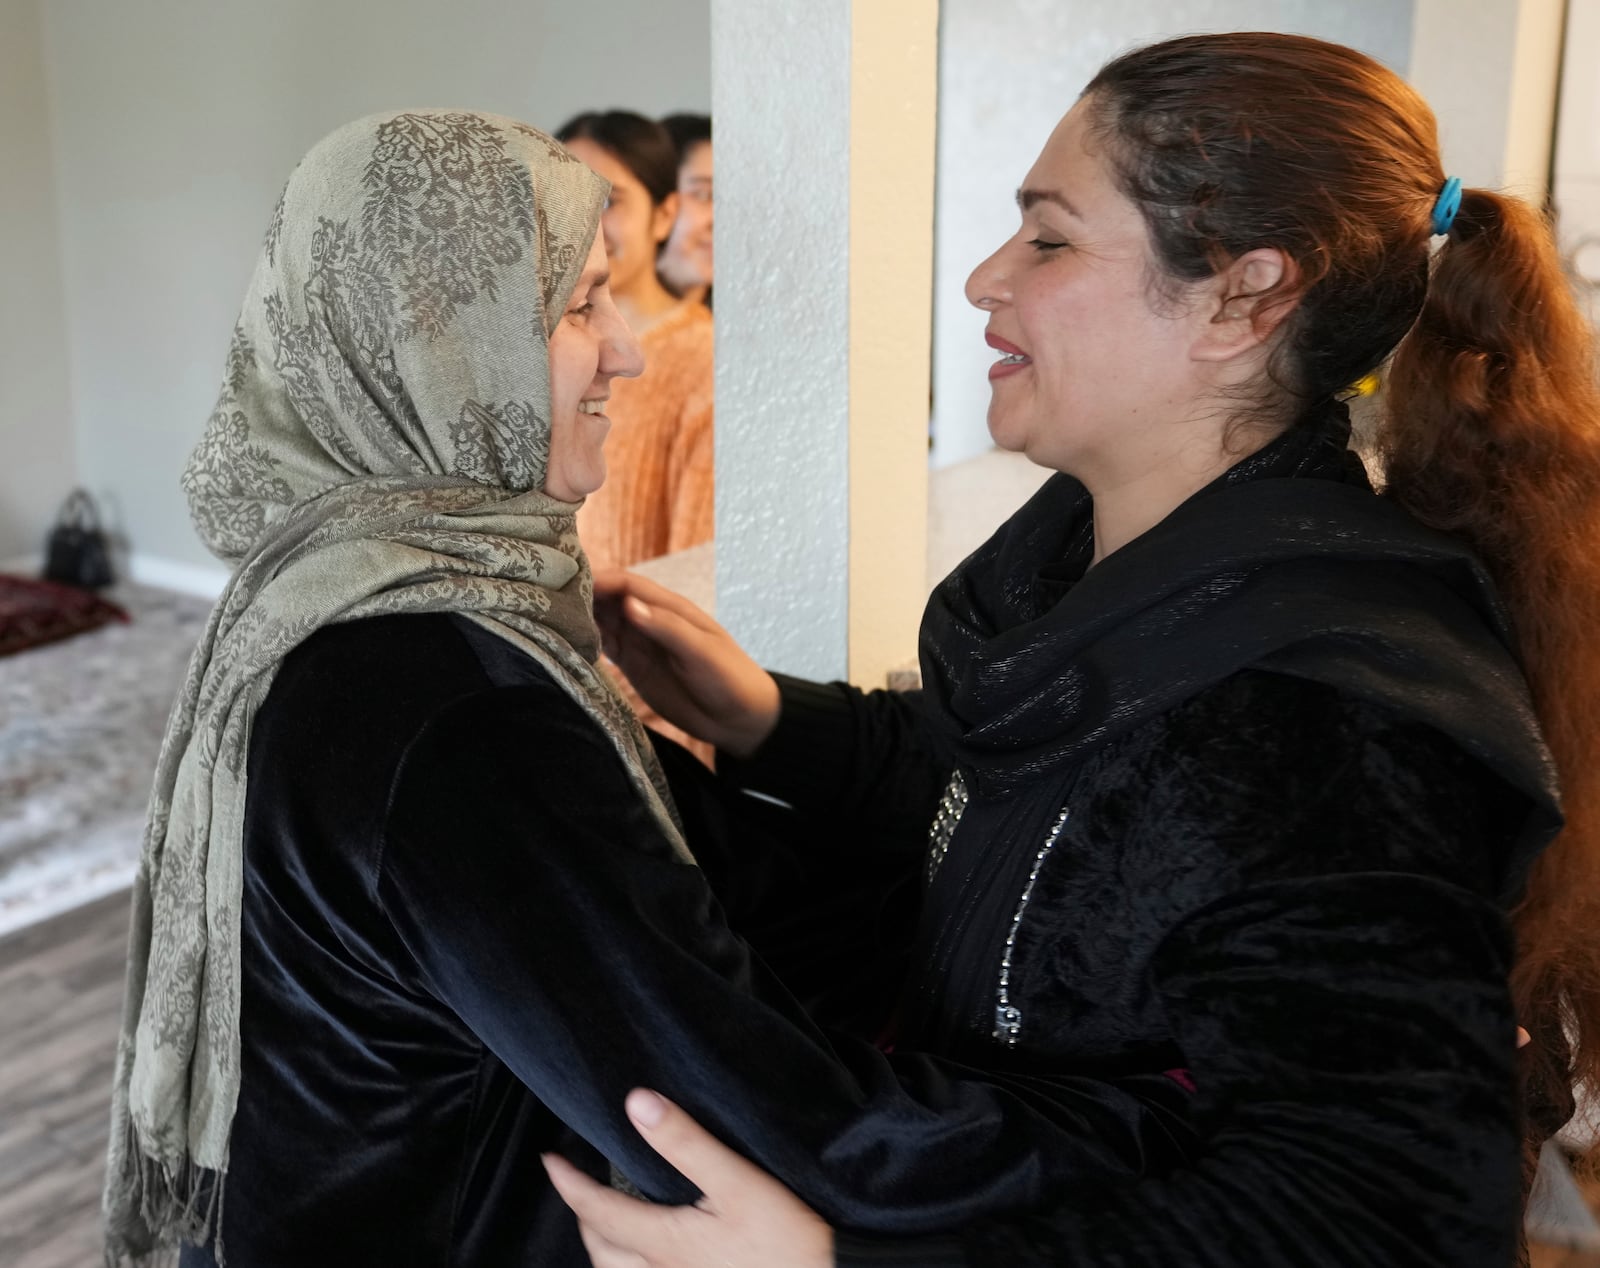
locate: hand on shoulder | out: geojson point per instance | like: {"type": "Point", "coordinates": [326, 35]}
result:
{"type": "Point", "coordinates": [685, 666]}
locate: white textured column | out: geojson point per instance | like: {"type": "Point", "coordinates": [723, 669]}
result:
{"type": "Point", "coordinates": [824, 128]}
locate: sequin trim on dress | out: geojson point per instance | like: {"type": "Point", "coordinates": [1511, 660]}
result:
{"type": "Point", "coordinates": [1007, 1016]}
{"type": "Point", "coordinates": [951, 805]}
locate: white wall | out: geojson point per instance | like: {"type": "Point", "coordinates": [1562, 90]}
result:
{"type": "Point", "coordinates": [176, 123]}
{"type": "Point", "coordinates": [1008, 70]}
{"type": "Point", "coordinates": [1489, 69]}
{"type": "Point", "coordinates": [36, 449]}
{"type": "Point", "coordinates": [1464, 70]}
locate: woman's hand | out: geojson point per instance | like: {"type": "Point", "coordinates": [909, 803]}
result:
{"type": "Point", "coordinates": [685, 665]}
{"type": "Point", "coordinates": [745, 1220]}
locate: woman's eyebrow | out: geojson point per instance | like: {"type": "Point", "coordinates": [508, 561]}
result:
{"type": "Point", "coordinates": [1026, 198]}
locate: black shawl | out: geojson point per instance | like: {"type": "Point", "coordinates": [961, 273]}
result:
{"type": "Point", "coordinates": [1287, 562]}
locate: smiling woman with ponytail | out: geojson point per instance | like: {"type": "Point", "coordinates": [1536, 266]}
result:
{"type": "Point", "coordinates": [1308, 756]}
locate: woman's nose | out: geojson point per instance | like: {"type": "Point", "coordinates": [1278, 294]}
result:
{"type": "Point", "coordinates": [988, 286]}
{"type": "Point", "coordinates": [620, 354]}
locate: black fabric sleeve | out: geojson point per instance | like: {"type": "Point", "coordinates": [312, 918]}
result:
{"type": "Point", "coordinates": [863, 762]}
{"type": "Point", "coordinates": [858, 1250]}
{"type": "Point", "coordinates": [543, 906]}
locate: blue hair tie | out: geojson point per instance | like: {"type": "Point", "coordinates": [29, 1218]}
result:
{"type": "Point", "coordinates": [1446, 206]}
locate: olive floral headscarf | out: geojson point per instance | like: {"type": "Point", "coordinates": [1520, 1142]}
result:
{"type": "Point", "coordinates": [379, 446]}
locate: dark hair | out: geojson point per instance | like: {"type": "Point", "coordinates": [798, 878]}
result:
{"type": "Point", "coordinates": [1232, 142]}
{"type": "Point", "coordinates": [641, 145]}
{"type": "Point", "coordinates": [1229, 143]}
{"type": "Point", "coordinates": [687, 131]}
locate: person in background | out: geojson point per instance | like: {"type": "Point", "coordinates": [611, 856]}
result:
{"type": "Point", "coordinates": [657, 498]}
{"type": "Point", "coordinates": [686, 260]}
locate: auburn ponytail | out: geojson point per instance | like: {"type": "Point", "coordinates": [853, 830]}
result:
{"type": "Point", "coordinates": [1493, 433]}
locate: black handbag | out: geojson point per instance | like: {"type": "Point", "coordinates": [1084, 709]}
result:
{"type": "Point", "coordinates": [77, 553]}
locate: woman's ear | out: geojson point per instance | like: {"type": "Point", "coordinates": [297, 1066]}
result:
{"type": "Point", "coordinates": [663, 218]}
{"type": "Point", "coordinates": [1251, 297]}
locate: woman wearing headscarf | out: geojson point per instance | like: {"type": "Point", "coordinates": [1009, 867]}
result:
{"type": "Point", "coordinates": [413, 907]}
{"type": "Point", "coordinates": [410, 412]}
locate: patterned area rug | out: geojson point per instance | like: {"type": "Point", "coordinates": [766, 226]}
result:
{"type": "Point", "coordinates": [80, 726]}
{"type": "Point", "coordinates": [35, 612]}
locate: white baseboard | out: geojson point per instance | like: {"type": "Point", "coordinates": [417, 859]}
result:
{"type": "Point", "coordinates": [207, 581]}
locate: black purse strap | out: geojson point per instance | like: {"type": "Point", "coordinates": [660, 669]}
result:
{"type": "Point", "coordinates": [79, 511]}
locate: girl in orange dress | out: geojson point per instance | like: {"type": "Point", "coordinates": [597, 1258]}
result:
{"type": "Point", "coordinates": [657, 498]}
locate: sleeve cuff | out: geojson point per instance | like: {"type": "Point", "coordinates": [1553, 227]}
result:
{"type": "Point", "coordinates": [852, 1251]}
{"type": "Point", "coordinates": [808, 756]}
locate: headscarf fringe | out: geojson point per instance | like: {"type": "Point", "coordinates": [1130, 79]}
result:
{"type": "Point", "coordinates": [172, 1205]}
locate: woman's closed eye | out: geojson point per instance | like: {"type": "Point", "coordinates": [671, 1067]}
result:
{"type": "Point", "coordinates": [1046, 244]}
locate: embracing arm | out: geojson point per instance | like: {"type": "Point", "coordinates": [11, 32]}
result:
{"type": "Point", "coordinates": [832, 752]}
{"type": "Point", "coordinates": [1314, 1159]}
{"type": "Point", "coordinates": [1339, 998]}
{"type": "Point", "coordinates": [862, 761]}
{"type": "Point", "coordinates": [542, 905]}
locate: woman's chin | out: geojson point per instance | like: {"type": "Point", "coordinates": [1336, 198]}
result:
{"type": "Point", "coordinates": [570, 484]}
{"type": "Point", "coordinates": [1004, 431]}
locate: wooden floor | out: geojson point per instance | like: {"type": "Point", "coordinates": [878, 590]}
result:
{"type": "Point", "coordinates": [60, 1000]}
{"type": "Point", "coordinates": [60, 996]}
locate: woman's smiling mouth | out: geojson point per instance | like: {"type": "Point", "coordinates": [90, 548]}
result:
{"type": "Point", "coordinates": [1012, 360]}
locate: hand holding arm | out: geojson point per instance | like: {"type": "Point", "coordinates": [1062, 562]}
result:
{"type": "Point", "coordinates": [745, 1220]}
{"type": "Point", "coordinates": [686, 666]}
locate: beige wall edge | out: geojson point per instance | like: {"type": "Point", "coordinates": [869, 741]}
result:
{"type": "Point", "coordinates": [894, 94]}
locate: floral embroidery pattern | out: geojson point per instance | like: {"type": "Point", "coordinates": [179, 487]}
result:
{"type": "Point", "coordinates": [505, 445]}
{"type": "Point", "coordinates": [231, 481]}
{"type": "Point", "coordinates": [448, 208]}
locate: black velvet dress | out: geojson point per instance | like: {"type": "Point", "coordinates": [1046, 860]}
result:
{"type": "Point", "coordinates": [1205, 965]}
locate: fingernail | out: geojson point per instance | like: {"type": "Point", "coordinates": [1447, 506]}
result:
{"type": "Point", "coordinates": [645, 1107]}
{"type": "Point", "coordinates": [640, 607]}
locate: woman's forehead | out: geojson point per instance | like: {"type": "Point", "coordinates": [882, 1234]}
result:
{"type": "Point", "coordinates": [1071, 170]}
